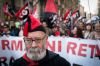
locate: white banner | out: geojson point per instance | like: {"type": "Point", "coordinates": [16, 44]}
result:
{"type": "Point", "coordinates": [79, 52]}
{"type": "Point", "coordinates": [10, 49]}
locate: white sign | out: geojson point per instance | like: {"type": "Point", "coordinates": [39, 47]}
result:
{"type": "Point", "coordinates": [79, 52]}
{"type": "Point", "coordinates": [10, 49]}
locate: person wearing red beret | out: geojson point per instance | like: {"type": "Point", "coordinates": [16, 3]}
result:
{"type": "Point", "coordinates": [35, 38]}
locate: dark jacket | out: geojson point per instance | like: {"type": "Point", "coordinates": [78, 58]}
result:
{"type": "Point", "coordinates": [51, 59]}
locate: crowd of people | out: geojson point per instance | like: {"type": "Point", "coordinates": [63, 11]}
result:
{"type": "Point", "coordinates": [63, 28]}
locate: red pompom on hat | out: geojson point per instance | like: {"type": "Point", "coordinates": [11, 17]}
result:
{"type": "Point", "coordinates": [33, 24]}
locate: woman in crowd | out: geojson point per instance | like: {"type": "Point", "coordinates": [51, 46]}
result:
{"type": "Point", "coordinates": [96, 33]}
{"type": "Point", "coordinates": [81, 25]}
{"type": "Point", "coordinates": [88, 32]}
{"type": "Point", "coordinates": [56, 31]}
{"type": "Point", "coordinates": [76, 32]}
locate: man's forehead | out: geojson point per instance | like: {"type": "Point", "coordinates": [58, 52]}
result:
{"type": "Point", "coordinates": [36, 34]}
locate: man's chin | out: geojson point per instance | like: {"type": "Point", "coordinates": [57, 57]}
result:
{"type": "Point", "coordinates": [36, 55]}
{"type": "Point", "coordinates": [31, 52]}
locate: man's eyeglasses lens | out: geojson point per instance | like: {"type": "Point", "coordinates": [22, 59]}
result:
{"type": "Point", "coordinates": [30, 40]}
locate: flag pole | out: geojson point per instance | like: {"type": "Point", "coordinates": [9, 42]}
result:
{"type": "Point", "coordinates": [39, 5]}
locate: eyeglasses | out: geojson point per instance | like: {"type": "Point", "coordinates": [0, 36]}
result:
{"type": "Point", "coordinates": [36, 40]}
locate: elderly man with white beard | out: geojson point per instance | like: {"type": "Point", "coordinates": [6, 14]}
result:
{"type": "Point", "coordinates": [36, 52]}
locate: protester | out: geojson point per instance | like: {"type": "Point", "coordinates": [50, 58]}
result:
{"type": "Point", "coordinates": [49, 31]}
{"type": "Point", "coordinates": [81, 25]}
{"type": "Point", "coordinates": [5, 31]}
{"type": "Point", "coordinates": [88, 32]}
{"type": "Point", "coordinates": [76, 32]}
{"type": "Point", "coordinates": [56, 31]}
{"type": "Point", "coordinates": [21, 31]}
{"type": "Point", "coordinates": [96, 33]}
{"type": "Point", "coordinates": [14, 30]}
{"type": "Point", "coordinates": [36, 52]}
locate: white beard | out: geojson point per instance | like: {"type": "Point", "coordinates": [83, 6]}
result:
{"type": "Point", "coordinates": [36, 54]}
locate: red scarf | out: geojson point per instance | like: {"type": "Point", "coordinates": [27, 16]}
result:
{"type": "Point", "coordinates": [31, 63]}
{"type": "Point", "coordinates": [57, 33]}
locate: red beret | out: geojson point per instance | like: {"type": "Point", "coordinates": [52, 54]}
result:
{"type": "Point", "coordinates": [33, 24]}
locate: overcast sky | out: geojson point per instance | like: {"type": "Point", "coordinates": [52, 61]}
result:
{"type": "Point", "coordinates": [90, 6]}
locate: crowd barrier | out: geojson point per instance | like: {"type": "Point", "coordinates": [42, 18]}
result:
{"type": "Point", "coordinates": [79, 52]}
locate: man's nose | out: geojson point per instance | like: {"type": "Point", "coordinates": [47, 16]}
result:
{"type": "Point", "coordinates": [34, 44]}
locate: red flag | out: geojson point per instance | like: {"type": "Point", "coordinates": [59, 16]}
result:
{"type": "Point", "coordinates": [6, 9]}
{"type": "Point", "coordinates": [67, 14]}
{"type": "Point", "coordinates": [51, 7]}
{"type": "Point", "coordinates": [23, 11]}
{"type": "Point", "coordinates": [76, 14]}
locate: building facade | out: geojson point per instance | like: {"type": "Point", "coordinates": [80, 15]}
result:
{"type": "Point", "coordinates": [98, 7]}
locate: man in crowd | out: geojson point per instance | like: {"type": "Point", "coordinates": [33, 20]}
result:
{"type": "Point", "coordinates": [36, 52]}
